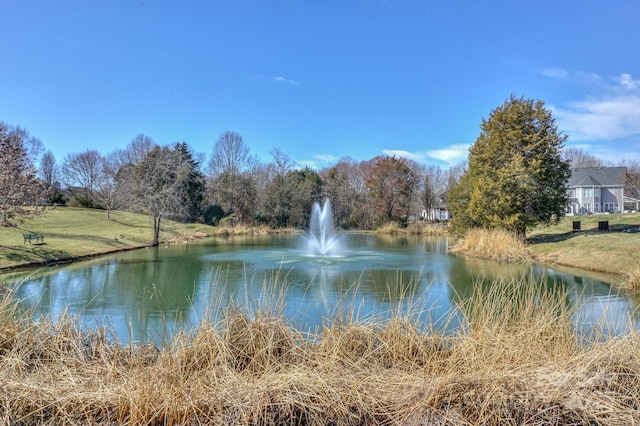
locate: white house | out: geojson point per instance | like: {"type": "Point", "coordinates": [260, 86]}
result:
{"type": "Point", "coordinates": [439, 211]}
{"type": "Point", "coordinates": [596, 190]}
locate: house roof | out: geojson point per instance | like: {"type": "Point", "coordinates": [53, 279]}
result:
{"type": "Point", "coordinates": [597, 176]}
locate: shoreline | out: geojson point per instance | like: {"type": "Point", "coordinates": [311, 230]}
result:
{"type": "Point", "coordinates": [534, 257]}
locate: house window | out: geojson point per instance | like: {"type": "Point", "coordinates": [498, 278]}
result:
{"type": "Point", "coordinates": [578, 192]}
{"type": "Point", "coordinates": [588, 192]}
{"type": "Point", "coordinates": [572, 193]}
{"type": "Point", "coordinates": [597, 191]}
{"type": "Point", "coordinates": [587, 207]}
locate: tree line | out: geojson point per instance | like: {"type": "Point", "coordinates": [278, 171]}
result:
{"type": "Point", "coordinates": [515, 177]}
{"type": "Point", "coordinates": [229, 186]}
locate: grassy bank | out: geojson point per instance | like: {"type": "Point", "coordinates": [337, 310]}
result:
{"type": "Point", "coordinates": [75, 233]}
{"type": "Point", "coordinates": [518, 363]}
{"type": "Point", "coordinates": [615, 251]}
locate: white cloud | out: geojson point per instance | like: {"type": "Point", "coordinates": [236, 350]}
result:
{"type": "Point", "coordinates": [560, 73]}
{"type": "Point", "coordinates": [601, 119]}
{"type": "Point", "coordinates": [326, 158]}
{"type": "Point", "coordinates": [614, 114]}
{"type": "Point", "coordinates": [274, 79]}
{"type": "Point", "coordinates": [283, 80]}
{"type": "Point", "coordinates": [452, 154]}
{"type": "Point", "coordinates": [629, 83]}
{"type": "Point", "coordinates": [449, 155]}
{"type": "Point", "coordinates": [415, 156]}
{"type": "Point", "coordinates": [318, 161]}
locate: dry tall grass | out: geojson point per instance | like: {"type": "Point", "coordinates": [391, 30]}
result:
{"type": "Point", "coordinates": [494, 244]}
{"type": "Point", "coordinates": [517, 362]}
{"type": "Point", "coordinates": [632, 278]}
{"type": "Point", "coordinates": [414, 228]}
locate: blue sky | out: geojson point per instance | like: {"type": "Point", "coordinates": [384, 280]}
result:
{"type": "Point", "coordinates": [318, 79]}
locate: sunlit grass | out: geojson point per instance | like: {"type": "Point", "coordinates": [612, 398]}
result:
{"type": "Point", "coordinates": [72, 233]}
{"type": "Point", "coordinates": [615, 251]}
{"type": "Point", "coordinates": [518, 361]}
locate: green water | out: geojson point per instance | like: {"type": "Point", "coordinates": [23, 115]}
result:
{"type": "Point", "coordinates": [151, 293]}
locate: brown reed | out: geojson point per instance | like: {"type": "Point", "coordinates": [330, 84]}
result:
{"type": "Point", "coordinates": [517, 361]}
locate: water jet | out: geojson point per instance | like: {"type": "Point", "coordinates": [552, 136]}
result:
{"type": "Point", "coordinates": [322, 240]}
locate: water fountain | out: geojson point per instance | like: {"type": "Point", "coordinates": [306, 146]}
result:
{"type": "Point", "coordinates": [321, 238]}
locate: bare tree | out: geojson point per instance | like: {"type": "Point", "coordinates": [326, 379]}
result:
{"type": "Point", "coordinates": [125, 162]}
{"type": "Point", "coordinates": [230, 155]}
{"type": "Point", "coordinates": [229, 183]}
{"type": "Point", "coordinates": [107, 185]}
{"type": "Point", "coordinates": [32, 145]}
{"type": "Point", "coordinates": [632, 181]}
{"type": "Point", "coordinates": [391, 184]}
{"type": "Point", "coordinates": [275, 200]}
{"type": "Point", "coordinates": [138, 149]}
{"type": "Point", "coordinates": [433, 185]}
{"type": "Point", "coordinates": [578, 158]}
{"type": "Point", "coordinates": [20, 191]}
{"type": "Point", "coordinates": [48, 171]}
{"type": "Point", "coordinates": [168, 185]}
{"type": "Point", "coordinates": [454, 174]}
{"type": "Point", "coordinates": [83, 171]}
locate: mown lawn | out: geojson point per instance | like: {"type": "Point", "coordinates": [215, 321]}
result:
{"type": "Point", "coordinates": [616, 251]}
{"type": "Point", "coordinates": [77, 232]}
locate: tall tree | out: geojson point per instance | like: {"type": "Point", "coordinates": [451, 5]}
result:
{"type": "Point", "coordinates": [344, 184]}
{"type": "Point", "coordinates": [391, 183]}
{"type": "Point", "coordinates": [274, 204]}
{"type": "Point", "coordinates": [168, 185]}
{"type": "Point", "coordinates": [433, 184]}
{"type": "Point", "coordinates": [125, 161]}
{"type": "Point", "coordinates": [49, 174]}
{"type": "Point", "coordinates": [20, 191]}
{"type": "Point", "coordinates": [305, 188]}
{"type": "Point", "coordinates": [229, 181]}
{"type": "Point", "coordinates": [82, 171]}
{"type": "Point", "coordinates": [516, 177]}
{"type": "Point", "coordinates": [189, 182]}
{"type": "Point", "coordinates": [48, 171]}
{"type": "Point", "coordinates": [107, 185]}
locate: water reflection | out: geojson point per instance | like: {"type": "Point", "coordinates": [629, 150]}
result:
{"type": "Point", "coordinates": [153, 292]}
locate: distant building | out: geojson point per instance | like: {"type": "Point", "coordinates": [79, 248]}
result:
{"type": "Point", "coordinates": [596, 190]}
{"type": "Point", "coordinates": [439, 212]}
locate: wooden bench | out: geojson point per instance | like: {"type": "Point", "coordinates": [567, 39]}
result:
{"type": "Point", "coordinates": [39, 238]}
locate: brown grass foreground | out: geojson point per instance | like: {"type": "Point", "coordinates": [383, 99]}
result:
{"type": "Point", "coordinates": [519, 362]}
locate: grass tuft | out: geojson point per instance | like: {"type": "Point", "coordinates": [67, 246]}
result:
{"type": "Point", "coordinates": [495, 244]}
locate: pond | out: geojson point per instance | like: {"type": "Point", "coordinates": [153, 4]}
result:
{"type": "Point", "coordinates": [149, 294]}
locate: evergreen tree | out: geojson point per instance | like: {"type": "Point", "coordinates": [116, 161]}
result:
{"type": "Point", "coordinates": [189, 184]}
{"type": "Point", "coordinates": [516, 177]}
